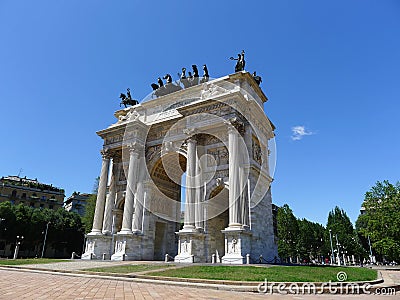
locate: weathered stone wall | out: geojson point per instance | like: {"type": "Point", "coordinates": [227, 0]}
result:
{"type": "Point", "coordinates": [262, 228]}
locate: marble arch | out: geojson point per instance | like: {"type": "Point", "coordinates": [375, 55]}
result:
{"type": "Point", "coordinates": [216, 132]}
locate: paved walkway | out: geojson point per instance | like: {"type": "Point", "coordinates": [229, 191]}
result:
{"type": "Point", "coordinates": [32, 284]}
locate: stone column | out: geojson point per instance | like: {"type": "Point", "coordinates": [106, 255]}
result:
{"type": "Point", "coordinates": [198, 196]}
{"type": "Point", "coordinates": [101, 195]}
{"type": "Point", "coordinates": [189, 219]}
{"type": "Point", "coordinates": [130, 190]}
{"type": "Point", "coordinates": [137, 216]}
{"type": "Point", "coordinates": [110, 200]}
{"type": "Point", "coordinates": [243, 196]}
{"type": "Point", "coordinates": [234, 183]}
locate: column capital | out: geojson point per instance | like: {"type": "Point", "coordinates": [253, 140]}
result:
{"type": "Point", "coordinates": [134, 147]}
{"type": "Point", "coordinates": [105, 154]}
{"type": "Point", "coordinates": [235, 124]}
{"type": "Point", "coordinates": [191, 139]}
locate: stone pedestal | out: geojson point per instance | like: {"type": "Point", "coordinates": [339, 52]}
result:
{"type": "Point", "coordinates": [237, 245]}
{"type": "Point", "coordinates": [127, 247]}
{"type": "Point", "coordinates": [191, 247]}
{"type": "Point", "coordinates": [96, 246]}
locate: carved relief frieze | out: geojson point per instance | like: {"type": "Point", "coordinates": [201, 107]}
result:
{"type": "Point", "coordinates": [113, 139]}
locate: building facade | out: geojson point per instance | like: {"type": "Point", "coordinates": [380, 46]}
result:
{"type": "Point", "coordinates": [211, 138]}
{"type": "Point", "coordinates": [30, 192]}
{"type": "Point", "coordinates": [77, 203]}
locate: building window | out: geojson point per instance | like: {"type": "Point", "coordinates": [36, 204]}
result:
{"type": "Point", "coordinates": [14, 194]}
{"type": "Point", "coordinates": [23, 196]}
{"type": "Point", "coordinates": [43, 198]}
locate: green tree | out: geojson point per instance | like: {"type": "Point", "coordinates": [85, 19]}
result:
{"type": "Point", "coordinates": [288, 232]}
{"type": "Point", "coordinates": [90, 207]}
{"type": "Point", "coordinates": [381, 220]}
{"type": "Point", "coordinates": [344, 236]}
{"type": "Point", "coordinates": [310, 243]}
{"type": "Point", "coordinates": [65, 230]}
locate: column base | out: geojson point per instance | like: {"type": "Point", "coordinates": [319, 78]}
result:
{"type": "Point", "coordinates": [125, 232]}
{"type": "Point", "coordinates": [188, 228]}
{"type": "Point", "coordinates": [97, 247]}
{"type": "Point", "coordinates": [237, 245]}
{"type": "Point", "coordinates": [127, 247]}
{"type": "Point", "coordinates": [191, 247]}
{"type": "Point", "coordinates": [94, 233]}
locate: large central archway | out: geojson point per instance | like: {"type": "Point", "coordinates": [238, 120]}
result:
{"type": "Point", "coordinates": [166, 173]}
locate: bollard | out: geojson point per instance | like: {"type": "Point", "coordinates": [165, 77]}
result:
{"type": "Point", "coordinates": [213, 259]}
{"type": "Point", "coordinates": [261, 257]}
{"type": "Point", "coordinates": [123, 257]}
{"type": "Point", "coordinates": [192, 258]}
{"type": "Point", "coordinates": [104, 256]}
{"type": "Point", "coordinates": [247, 258]}
{"type": "Point", "coordinates": [166, 257]}
{"type": "Point", "coordinates": [73, 255]}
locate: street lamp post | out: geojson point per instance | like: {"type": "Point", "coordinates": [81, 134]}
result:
{"type": "Point", "coordinates": [332, 255]}
{"type": "Point", "coordinates": [17, 244]}
{"type": "Point", "coordinates": [45, 237]}
{"type": "Point", "coordinates": [370, 251]}
{"type": "Point", "coordinates": [337, 247]}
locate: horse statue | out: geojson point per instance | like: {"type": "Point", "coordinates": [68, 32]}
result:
{"type": "Point", "coordinates": [168, 78]}
{"type": "Point", "coordinates": [205, 75]}
{"type": "Point", "coordinates": [127, 99]}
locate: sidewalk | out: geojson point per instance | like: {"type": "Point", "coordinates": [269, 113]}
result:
{"type": "Point", "coordinates": [391, 278]}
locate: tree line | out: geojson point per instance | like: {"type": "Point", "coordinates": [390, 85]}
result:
{"type": "Point", "coordinates": [376, 230]}
{"type": "Point", "coordinates": [65, 230]}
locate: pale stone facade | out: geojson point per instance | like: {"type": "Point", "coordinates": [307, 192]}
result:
{"type": "Point", "coordinates": [217, 134]}
{"type": "Point", "coordinates": [31, 192]}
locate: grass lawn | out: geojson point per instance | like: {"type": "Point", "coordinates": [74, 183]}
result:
{"type": "Point", "coordinates": [275, 273]}
{"type": "Point", "coordinates": [28, 261]}
{"type": "Point", "coordinates": [130, 268]}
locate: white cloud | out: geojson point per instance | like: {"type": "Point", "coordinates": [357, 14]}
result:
{"type": "Point", "coordinates": [299, 131]}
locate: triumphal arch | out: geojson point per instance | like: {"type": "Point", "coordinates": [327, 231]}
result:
{"type": "Point", "coordinates": [187, 174]}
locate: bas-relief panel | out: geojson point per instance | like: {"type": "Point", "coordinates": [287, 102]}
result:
{"type": "Point", "coordinates": [257, 152]}
{"type": "Point", "coordinates": [152, 151]}
{"type": "Point", "coordinates": [220, 155]}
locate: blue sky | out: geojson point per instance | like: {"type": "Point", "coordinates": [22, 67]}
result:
{"type": "Point", "coordinates": [330, 69]}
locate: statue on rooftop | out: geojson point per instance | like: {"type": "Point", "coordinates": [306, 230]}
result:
{"type": "Point", "coordinates": [195, 78]}
{"type": "Point", "coordinates": [257, 78]}
{"type": "Point", "coordinates": [160, 82]}
{"type": "Point", "coordinates": [128, 93]}
{"type": "Point", "coordinates": [183, 79]}
{"type": "Point", "coordinates": [127, 99]}
{"type": "Point", "coordinates": [240, 62]}
{"type": "Point", "coordinates": [168, 78]}
{"type": "Point", "coordinates": [205, 75]}
{"type": "Point", "coordinates": [162, 89]}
